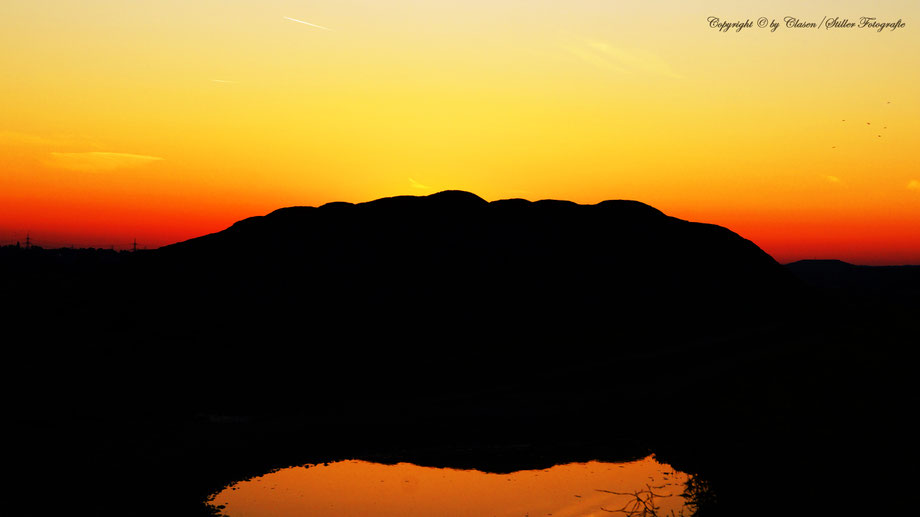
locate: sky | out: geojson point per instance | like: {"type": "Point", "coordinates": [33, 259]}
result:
{"type": "Point", "coordinates": [164, 120]}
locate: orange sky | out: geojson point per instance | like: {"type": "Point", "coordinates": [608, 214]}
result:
{"type": "Point", "coordinates": [164, 120]}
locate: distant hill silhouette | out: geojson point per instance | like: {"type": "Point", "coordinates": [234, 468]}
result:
{"type": "Point", "coordinates": [454, 248]}
{"type": "Point", "coordinates": [431, 290]}
{"type": "Point", "coordinates": [890, 282]}
{"type": "Point", "coordinates": [460, 276]}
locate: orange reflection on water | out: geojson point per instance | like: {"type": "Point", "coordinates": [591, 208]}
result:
{"type": "Point", "coordinates": [359, 488]}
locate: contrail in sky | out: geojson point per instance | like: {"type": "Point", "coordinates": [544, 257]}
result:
{"type": "Point", "coordinates": [417, 184]}
{"type": "Point", "coordinates": [307, 23]}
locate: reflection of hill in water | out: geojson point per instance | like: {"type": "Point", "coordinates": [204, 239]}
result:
{"type": "Point", "coordinates": [420, 324]}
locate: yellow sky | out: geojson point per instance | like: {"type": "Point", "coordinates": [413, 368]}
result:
{"type": "Point", "coordinates": [201, 113]}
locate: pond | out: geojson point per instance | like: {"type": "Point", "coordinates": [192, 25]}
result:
{"type": "Point", "coordinates": [361, 488]}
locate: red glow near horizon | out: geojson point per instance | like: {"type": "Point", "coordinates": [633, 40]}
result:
{"type": "Point", "coordinates": [854, 243]}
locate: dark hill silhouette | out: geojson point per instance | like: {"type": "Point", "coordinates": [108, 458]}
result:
{"type": "Point", "coordinates": [865, 282]}
{"type": "Point", "coordinates": [463, 286]}
{"type": "Point", "coordinates": [457, 249]}
{"type": "Point", "coordinates": [446, 291]}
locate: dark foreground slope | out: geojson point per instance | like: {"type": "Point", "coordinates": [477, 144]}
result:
{"type": "Point", "coordinates": [426, 326]}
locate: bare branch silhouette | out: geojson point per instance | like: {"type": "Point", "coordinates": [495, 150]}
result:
{"type": "Point", "coordinates": [642, 503]}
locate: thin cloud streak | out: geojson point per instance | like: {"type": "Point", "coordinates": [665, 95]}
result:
{"type": "Point", "coordinates": [307, 23]}
{"type": "Point", "coordinates": [417, 184]}
{"type": "Point", "coordinates": [606, 56]}
{"type": "Point", "coordinates": [99, 161]}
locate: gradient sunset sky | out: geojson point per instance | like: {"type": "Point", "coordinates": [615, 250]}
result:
{"type": "Point", "coordinates": [164, 120]}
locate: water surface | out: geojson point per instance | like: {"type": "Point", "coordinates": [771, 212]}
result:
{"type": "Point", "coordinates": [360, 488]}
